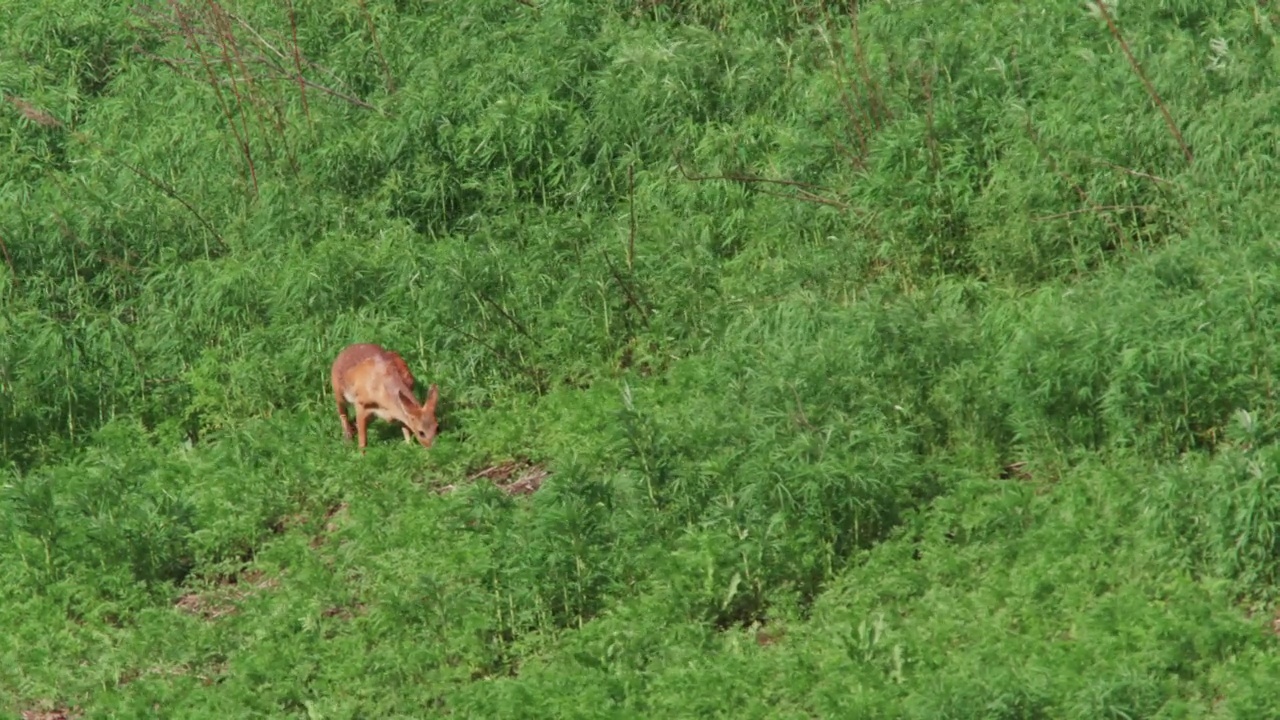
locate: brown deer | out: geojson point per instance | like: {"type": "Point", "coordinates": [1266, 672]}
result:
{"type": "Point", "coordinates": [378, 382]}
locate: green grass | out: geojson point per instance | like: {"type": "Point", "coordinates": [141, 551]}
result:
{"type": "Point", "coordinates": [912, 363]}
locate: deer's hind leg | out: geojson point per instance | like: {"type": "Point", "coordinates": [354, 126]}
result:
{"type": "Point", "coordinates": [362, 425]}
{"type": "Point", "coordinates": [342, 413]}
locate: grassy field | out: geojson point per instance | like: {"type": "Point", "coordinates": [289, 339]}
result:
{"type": "Point", "coordinates": [797, 359]}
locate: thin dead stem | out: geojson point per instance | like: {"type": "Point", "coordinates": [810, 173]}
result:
{"type": "Point", "coordinates": [45, 119]}
{"type": "Point", "coordinates": [626, 290]}
{"type": "Point", "coordinates": [1131, 171]}
{"type": "Point", "coordinates": [377, 47]}
{"type": "Point", "coordinates": [800, 194]}
{"type": "Point", "coordinates": [1096, 209]}
{"type": "Point", "coordinates": [1052, 162]}
{"type": "Point", "coordinates": [193, 40]}
{"type": "Point", "coordinates": [228, 47]}
{"type": "Point", "coordinates": [517, 363]}
{"type": "Point", "coordinates": [297, 57]}
{"type": "Point", "coordinates": [520, 328]}
{"type": "Point", "coordinates": [878, 109]}
{"type": "Point", "coordinates": [867, 112]}
{"type": "Point", "coordinates": [242, 66]}
{"type": "Point", "coordinates": [177, 63]}
{"type": "Point", "coordinates": [631, 205]}
{"type": "Point", "coordinates": [935, 157]}
{"type": "Point", "coordinates": [1151, 89]}
{"type": "Point", "coordinates": [851, 113]}
{"type": "Point", "coordinates": [801, 418]}
{"type": "Point", "coordinates": [8, 260]}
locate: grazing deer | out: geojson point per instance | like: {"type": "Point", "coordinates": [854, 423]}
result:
{"type": "Point", "coordinates": [378, 382]}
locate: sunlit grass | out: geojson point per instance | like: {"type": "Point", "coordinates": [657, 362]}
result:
{"type": "Point", "coordinates": [893, 365]}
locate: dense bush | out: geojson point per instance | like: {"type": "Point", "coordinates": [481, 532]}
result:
{"type": "Point", "coordinates": [894, 360]}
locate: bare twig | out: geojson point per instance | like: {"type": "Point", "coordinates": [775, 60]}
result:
{"type": "Point", "coordinates": [294, 57]}
{"type": "Point", "coordinates": [518, 364]}
{"type": "Point", "coordinates": [176, 63]}
{"type": "Point", "coordinates": [305, 61]}
{"type": "Point", "coordinates": [514, 322]}
{"type": "Point", "coordinates": [267, 44]}
{"type": "Point", "coordinates": [801, 418]}
{"type": "Point", "coordinates": [741, 177]}
{"type": "Point", "coordinates": [478, 341]}
{"type": "Point", "coordinates": [876, 106]}
{"type": "Point", "coordinates": [377, 46]}
{"type": "Point", "coordinates": [171, 192]}
{"type": "Point", "coordinates": [935, 157]}
{"type": "Point", "coordinates": [173, 64]}
{"type": "Point", "coordinates": [867, 112]}
{"type": "Point", "coordinates": [297, 57]}
{"type": "Point", "coordinates": [340, 95]}
{"type": "Point", "coordinates": [232, 59]}
{"type": "Point", "coordinates": [8, 259]}
{"type": "Point", "coordinates": [317, 86]}
{"type": "Point", "coordinates": [800, 194]}
{"type": "Point", "coordinates": [1095, 209]}
{"type": "Point", "coordinates": [192, 36]}
{"type": "Point", "coordinates": [1131, 171]}
{"type": "Point", "coordinates": [626, 290]}
{"type": "Point", "coordinates": [43, 118]}
{"type": "Point", "coordinates": [334, 93]}
{"type": "Point", "coordinates": [806, 197]}
{"type": "Point", "coordinates": [631, 204]}
{"type": "Point", "coordinates": [1052, 162]}
{"type": "Point", "coordinates": [1151, 89]}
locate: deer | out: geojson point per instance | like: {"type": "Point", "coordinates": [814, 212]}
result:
{"type": "Point", "coordinates": [378, 383]}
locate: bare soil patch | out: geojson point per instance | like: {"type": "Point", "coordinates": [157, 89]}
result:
{"type": "Point", "coordinates": [223, 599]}
{"type": "Point", "coordinates": [519, 476]}
{"type": "Point", "coordinates": [52, 714]}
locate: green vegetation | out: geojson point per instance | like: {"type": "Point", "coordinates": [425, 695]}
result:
{"type": "Point", "coordinates": [914, 361]}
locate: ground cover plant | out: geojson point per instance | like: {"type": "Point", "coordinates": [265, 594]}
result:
{"type": "Point", "coordinates": [796, 359]}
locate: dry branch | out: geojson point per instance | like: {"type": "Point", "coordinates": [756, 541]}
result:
{"type": "Point", "coordinates": [519, 326]}
{"type": "Point", "coordinates": [377, 46]}
{"type": "Point", "coordinates": [8, 260]}
{"type": "Point", "coordinates": [297, 58]}
{"type": "Point", "coordinates": [528, 477]}
{"type": "Point", "coordinates": [626, 289]}
{"type": "Point", "coordinates": [1131, 171]}
{"type": "Point", "coordinates": [1034, 136]}
{"type": "Point", "coordinates": [1094, 209]}
{"type": "Point", "coordinates": [800, 194]}
{"type": "Point", "coordinates": [631, 206]}
{"type": "Point", "coordinates": [43, 118]}
{"type": "Point", "coordinates": [269, 53]}
{"type": "Point", "coordinates": [1151, 89]}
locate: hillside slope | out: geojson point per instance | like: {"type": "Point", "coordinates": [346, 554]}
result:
{"type": "Point", "coordinates": [794, 361]}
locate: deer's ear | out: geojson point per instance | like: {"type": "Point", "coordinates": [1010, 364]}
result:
{"type": "Point", "coordinates": [432, 396]}
{"type": "Point", "coordinates": [406, 401]}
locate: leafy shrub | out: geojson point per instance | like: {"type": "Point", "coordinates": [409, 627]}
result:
{"type": "Point", "coordinates": [864, 346]}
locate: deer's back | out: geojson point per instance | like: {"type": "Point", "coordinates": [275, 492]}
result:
{"type": "Point", "coordinates": [374, 357]}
